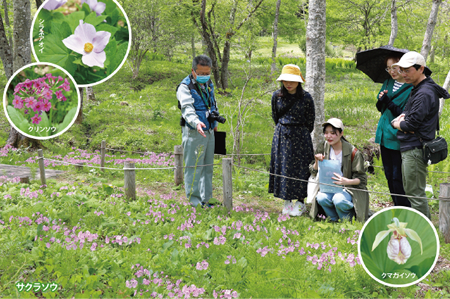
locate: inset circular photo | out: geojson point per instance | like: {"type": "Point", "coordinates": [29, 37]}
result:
{"type": "Point", "coordinates": [41, 100]}
{"type": "Point", "coordinates": [399, 246]}
{"type": "Point", "coordinates": [88, 38]}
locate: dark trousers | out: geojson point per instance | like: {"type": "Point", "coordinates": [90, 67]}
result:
{"type": "Point", "coordinates": [392, 164]}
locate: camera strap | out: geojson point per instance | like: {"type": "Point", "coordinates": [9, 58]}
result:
{"type": "Point", "coordinates": [203, 97]}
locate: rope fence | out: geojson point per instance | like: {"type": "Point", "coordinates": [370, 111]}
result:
{"type": "Point", "coordinates": [324, 184]}
{"type": "Point", "coordinates": [227, 167]}
{"type": "Point", "coordinates": [443, 172]}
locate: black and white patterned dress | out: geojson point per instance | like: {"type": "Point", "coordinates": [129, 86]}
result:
{"type": "Point", "coordinates": [292, 148]}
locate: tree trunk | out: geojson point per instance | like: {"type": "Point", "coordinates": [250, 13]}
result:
{"type": "Point", "coordinates": [432, 54]}
{"type": "Point", "coordinates": [80, 113]}
{"type": "Point", "coordinates": [205, 30]}
{"type": "Point", "coordinates": [21, 35]}
{"type": "Point", "coordinates": [447, 82]}
{"type": "Point", "coordinates": [275, 35]}
{"type": "Point", "coordinates": [315, 63]}
{"type": "Point", "coordinates": [394, 24]}
{"type": "Point", "coordinates": [426, 45]}
{"type": "Point", "coordinates": [193, 45]}
{"type": "Point", "coordinates": [5, 51]}
{"type": "Point", "coordinates": [446, 86]}
{"type": "Point", "coordinates": [6, 7]}
{"type": "Point", "coordinates": [20, 58]}
{"type": "Point", "coordinates": [90, 95]}
{"type": "Point", "coordinates": [38, 3]}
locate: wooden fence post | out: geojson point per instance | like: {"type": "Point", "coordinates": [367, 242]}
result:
{"type": "Point", "coordinates": [227, 183]}
{"type": "Point", "coordinates": [25, 180]}
{"type": "Point", "coordinates": [41, 167]}
{"type": "Point", "coordinates": [130, 181]}
{"type": "Point", "coordinates": [178, 174]}
{"type": "Point", "coordinates": [79, 166]}
{"type": "Point", "coordinates": [444, 211]}
{"type": "Point", "coordinates": [102, 154]}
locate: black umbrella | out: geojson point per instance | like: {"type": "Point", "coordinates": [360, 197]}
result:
{"type": "Point", "coordinates": [373, 62]}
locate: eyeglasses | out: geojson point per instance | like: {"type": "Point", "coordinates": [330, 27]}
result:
{"type": "Point", "coordinates": [395, 69]}
{"type": "Point", "coordinates": [405, 71]}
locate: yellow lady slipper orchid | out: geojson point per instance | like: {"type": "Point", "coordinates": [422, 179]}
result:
{"type": "Point", "coordinates": [398, 248]}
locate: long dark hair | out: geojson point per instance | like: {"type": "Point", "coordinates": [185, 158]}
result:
{"type": "Point", "coordinates": [283, 92]}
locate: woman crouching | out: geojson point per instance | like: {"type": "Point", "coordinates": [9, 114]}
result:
{"type": "Point", "coordinates": [345, 204]}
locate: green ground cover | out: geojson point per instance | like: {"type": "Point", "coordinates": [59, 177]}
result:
{"type": "Point", "coordinates": [141, 115]}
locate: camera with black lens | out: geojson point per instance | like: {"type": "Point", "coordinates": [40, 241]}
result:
{"type": "Point", "coordinates": [215, 116]}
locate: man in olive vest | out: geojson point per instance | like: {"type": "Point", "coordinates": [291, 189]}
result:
{"type": "Point", "coordinates": [196, 101]}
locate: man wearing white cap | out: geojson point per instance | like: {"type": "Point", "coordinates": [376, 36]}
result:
{"type": "Point", "coordinates": [418, 123]}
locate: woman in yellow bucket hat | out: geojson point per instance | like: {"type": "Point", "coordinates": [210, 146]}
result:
{"type": "Point", "coordinates": [292, 148]}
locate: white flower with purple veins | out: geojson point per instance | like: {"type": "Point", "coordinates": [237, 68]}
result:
{"type": "Point", "coordinates": [54, 4]}
{"type": "Point", "coordinates": [96, 6]}
{"type": "Point", "coordinates": [398, 248]}
{"type": "Point", "coordinates": [89, 43]}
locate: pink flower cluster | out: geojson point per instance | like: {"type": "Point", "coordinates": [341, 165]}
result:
{"type": "Point", "coordinates": [4, 151]}
{"type": "Point", "coordinates": [202, 265]}
{"type": "Point", "coordinates": [220, 241]}
{"type": "Point", "coordinates": [36, 95]}
{"type": "Point", "coordinates": [225, 294]}
{"type": "Point", "coordinates": [30, 194]}
{"type": "Point", "coordinates": [354, 239]}
{"type": "Point", "coordinates": [264, 251]}
{"type": "Point", "coordinates": [172, 290]}
{"type": "Point", "coordinates": [230, 259]}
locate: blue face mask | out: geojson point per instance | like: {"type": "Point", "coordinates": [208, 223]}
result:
{"type": "Point", "coordinates": [202, 79]}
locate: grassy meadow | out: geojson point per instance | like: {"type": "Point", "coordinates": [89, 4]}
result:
{"type": "Point", "coordinates": [81, 233]}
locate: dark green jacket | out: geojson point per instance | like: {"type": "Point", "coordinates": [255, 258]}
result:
{"type": "Point", "coordinates": [349, 170]}
{"type": "Point", "coordinates": [386, 135]}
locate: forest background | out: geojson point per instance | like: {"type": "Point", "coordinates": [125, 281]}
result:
{"type": "Point", "coordinates": [136, 110]}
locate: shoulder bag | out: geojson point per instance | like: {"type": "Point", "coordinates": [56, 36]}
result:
{"type": "Point", "coordinates": [436, 150]}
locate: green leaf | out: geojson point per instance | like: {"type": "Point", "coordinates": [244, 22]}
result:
{"type": "Point", "coordinates": [61, 31]}
{"type": "Point", "coordinates": [110, 6]}
{"type": "Point", "coordinates": [15, 116]}
{"type": "Point", "coordinates": [85, 8]}
{"type": "Point", "coordinates": [54, 51]}
{"type": "Point", "coordinates": [175, 256]}
{"type": "Point", "coordinates": [67, 119]}
{"type": "Point", "coordinates": [24, 126]}
{"type": "Point", "coordinates": [93, 19]}
{"type": "Point", "coordinates": [242, 262]}
{"type": "Point", "coordinates": [39, 230]}
{"type": "Point", "coordinates": [78, 61]}
{"type": "Point", "coordinates": [74, 18]}
{"type": "Point", "coordinates": [107, 28]}
{"type": "Point", "coordinates": [380, 237]}
{"type": "Point", "coordinates": [114, 16]}
{"type": "Point", "coordinates": [414, 236]}
{"type": "Point", "coordinates": [167, 245]}
{"type": "Point", "coordinates": [118, 58]}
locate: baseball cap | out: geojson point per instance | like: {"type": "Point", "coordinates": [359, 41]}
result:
{"type": "Point", "coordinates": [409, 59]}
{"type": "Point", "coordinates": [335, 122]}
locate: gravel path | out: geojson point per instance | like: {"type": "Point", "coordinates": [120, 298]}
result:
{"type": "Point", "coordinates": [12, 171]}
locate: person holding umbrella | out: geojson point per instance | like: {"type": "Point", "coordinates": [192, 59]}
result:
{"type": "Point", "coordinates": [392, 98]}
